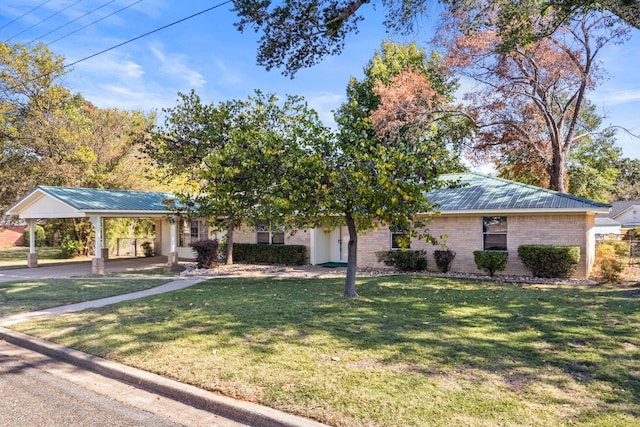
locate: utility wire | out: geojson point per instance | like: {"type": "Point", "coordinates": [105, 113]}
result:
{"type": "Point", "coordinates": [146, 34]}
{"type": "Point", "coordinates": [70, 22]}
{"type": "Point", "coordinates": [25, 14]}
{"type": "Point", "coordinates": [123, 43]}
{"type": "Point", "coordinates": [94, 22]}
{"type": "Point", "coordinates": [46, 19]}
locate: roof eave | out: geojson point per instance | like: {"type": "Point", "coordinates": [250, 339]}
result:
{"type": "Point", "coordinates": [496, 212]}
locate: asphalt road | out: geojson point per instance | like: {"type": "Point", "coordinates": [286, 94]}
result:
{"type": "Point", "coordinates": [37, 391]}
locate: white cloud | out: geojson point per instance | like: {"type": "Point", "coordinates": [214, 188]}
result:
{"type": "Point", "coordinates": [325, 103]}
{"type": "Point", "coordinates": [175, 65]}
{"type": "Point", "coordinates": [112, 64]}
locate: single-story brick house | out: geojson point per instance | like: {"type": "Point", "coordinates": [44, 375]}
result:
{"type": "Point", "coordinates": [11, 232]}
{"type": "Point", "coordinates": [484, 213]}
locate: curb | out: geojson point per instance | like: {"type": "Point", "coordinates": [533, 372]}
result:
{"type": "Point", "coordinates": [244, 412]}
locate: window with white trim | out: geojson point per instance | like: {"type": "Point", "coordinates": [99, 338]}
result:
{"type": "Point", "coordinates": [192, 231]}
{"type": "Point", "coordinates": [494, 233]}
{"type": "Point", "coordinates": [269, 233]}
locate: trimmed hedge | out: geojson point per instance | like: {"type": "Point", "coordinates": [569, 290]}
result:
{"type": "Point", "coordinates": [491, 261]}
{"type": "Point", "coordinates": [444, 258]}
{"type": "Point", "coordinates": [40, 236]}
{"type": "Point", "coordinates": [254, 253]}
{"type": "Point", "coordinates": [550, 261]}
{"type": "Point", "coordinates": [404, 260]}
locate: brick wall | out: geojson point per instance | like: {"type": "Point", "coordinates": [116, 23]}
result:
{"type": "Point", "coordinates": [465, 236]}
{"type": "Point", "coordinates": [11, 236]}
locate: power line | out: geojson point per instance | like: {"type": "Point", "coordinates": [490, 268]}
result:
{"type": "Point", "coordinates": [24, 14]}
{"type": "Point", "coordinates": [147, 34]}
{"type": "Point", "coordinates": [70, 22]}
{"type": "Point", "coordinates": [126, 42]}
{"type": "Point", "coordinates": [46, 19]}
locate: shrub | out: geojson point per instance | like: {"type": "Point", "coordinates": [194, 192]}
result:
{"type": "Point", "coordinates": [270, 254]}
{"type": "Point", "coordinates": [444, 258]}
{"type": "Point", "coordinates": [70, 247]}
{"type": "Point", "coordinates": [550, 260]}
{"type": "Point", "coordinates": [404, 260]}
{"type": "Point", "coordinates": [206, 252]}
{"type": "Point", "coordinates": [147, 248]}
{"type": "Point", "coordinates": [611, 269]}
{"type": "Point", "coordinates": [607, 257]}
{"type": "Point", "coordinates": [491, 261]}
{"type": "Point", "coordinates": [40, 236]}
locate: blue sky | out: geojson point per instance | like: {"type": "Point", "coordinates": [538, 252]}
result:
{"type": "Point", "coordinates": [208, 54]}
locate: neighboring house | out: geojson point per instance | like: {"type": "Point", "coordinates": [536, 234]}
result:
{"type": "Point", "coordinates": [607, 228]}
{"type": "Point", "coordinates": [11, 232]}
{"type": "Point", "coordinates": [626, 213]}
{"type": "Point", "coordinates": [485, 213]}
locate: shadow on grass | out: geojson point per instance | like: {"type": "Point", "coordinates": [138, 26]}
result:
{"type": "Point", "coordinates": [433, 326]}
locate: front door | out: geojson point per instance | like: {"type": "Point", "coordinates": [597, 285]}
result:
{"type": "Point", "coordinates": [343, 243]}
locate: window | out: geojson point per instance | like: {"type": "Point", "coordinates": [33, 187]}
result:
{"type": "Point", "coordinates": [193, 231]}
{"type": "Point", "coordinates": [398, 239]}
{"type": "Point", "coordinates": [494, 231]}
{"type": "Point", "coordinates": [269, 235]}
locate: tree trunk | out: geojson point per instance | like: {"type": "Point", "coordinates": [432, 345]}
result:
{"type": "Point", "coordinates": [558, 173]}
{"type": "Point", "coordinates": [352, 260]}
{"type": "Point", "coordinates": [229, 260]}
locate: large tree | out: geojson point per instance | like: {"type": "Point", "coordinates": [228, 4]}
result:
{"type": "Point", "coordinates": [377, 175]}
{"type": "Point", "coordinates": [529, 102]}
{"type": "Point", "coordinates": [298, 34]}
{"type": "Point", "coordinates": [49, 136]}
{"type": "Point", "coordinates": [245, 157]}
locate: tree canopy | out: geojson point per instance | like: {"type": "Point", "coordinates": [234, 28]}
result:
{"type": "Point", "coordinates": [50, 136]}
{"type": "Point", "coordinates": [296, 34]}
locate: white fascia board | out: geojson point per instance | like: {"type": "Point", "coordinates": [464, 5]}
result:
{"type": "Point", "coordinates": [502, 212]}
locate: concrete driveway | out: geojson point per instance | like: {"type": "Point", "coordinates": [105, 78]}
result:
{"type": "Point", "coordinates": [61, 271]}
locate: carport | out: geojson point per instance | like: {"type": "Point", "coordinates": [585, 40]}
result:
{"type": "Point", "coordinates": [46, 202]}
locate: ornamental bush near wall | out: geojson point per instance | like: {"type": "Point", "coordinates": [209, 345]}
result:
{"type": "Point", "coordinates": [550, 261]}
{"type": "Point", "coordinates": [206, 252]}
{"type": "Point", "coordinates": [444, 258]}
{"type": "Point", "coordinates": [491, 261]}
{"type": "Point", "coordinates": [404, 260]}
{"type": "Point", "coordinates": [254, 253]}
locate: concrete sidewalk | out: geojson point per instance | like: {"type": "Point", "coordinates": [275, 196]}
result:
{"type": "Point", "coordinates": [179, 283]}
{"type": "Point", "coordinates": [247, 413]}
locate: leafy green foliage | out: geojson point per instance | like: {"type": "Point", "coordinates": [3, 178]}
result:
{"type": "Point", "coordinates": [70, 247]}
{"type": "Point", "coordinates": [206, 252]}
{"type": "Point", "coordinates": [39, 236]}
{"type": "Point", "coordinates": [271, 254]}
{"type": "Point", "coordinates": [444, 258]}
{"type": "Point", "coordinates": [491, 261]}
{"type": "Point", "coordinates": [550, 260]}
{"type": "Point", "coordinates": [250, 160]}
{"type": "Point", "coordinates": [404, 260]}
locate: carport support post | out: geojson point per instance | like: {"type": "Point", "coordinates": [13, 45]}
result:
{"type": "Point", "coordinates": [173, 253]}
{"type": "Point", "coordinates": [97, 264]}
{"type": "Point", "coordinates": [32, 257]}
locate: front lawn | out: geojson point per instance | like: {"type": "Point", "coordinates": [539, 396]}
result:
{"type": "Point", "coordinates": [411, 351]}
{"type": "Point", "coordinates": [30, 295]}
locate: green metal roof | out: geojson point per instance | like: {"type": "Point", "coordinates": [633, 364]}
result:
{"type": "Point", "coordinates": [481, 192]}
{"type": "Point", "coordinates": [94, 199]}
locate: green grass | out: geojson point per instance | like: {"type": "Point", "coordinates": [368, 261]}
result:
{"type": "Point", "coordinates": [30, 295]}
{"type": "Point", "coordinates": [16, 257]}
{"type": "Point", "coordinates": [411, 351]}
